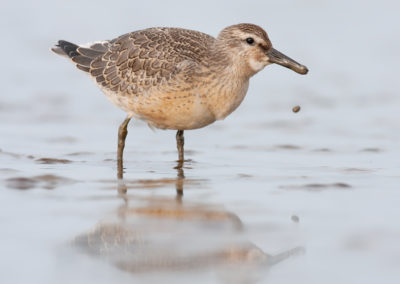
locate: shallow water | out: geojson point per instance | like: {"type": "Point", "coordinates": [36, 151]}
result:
{"type": "Point", "coordinates": [267, 196]}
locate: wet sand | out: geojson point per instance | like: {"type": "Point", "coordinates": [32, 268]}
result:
{"type": "Point", "coordinates": [266, 196]}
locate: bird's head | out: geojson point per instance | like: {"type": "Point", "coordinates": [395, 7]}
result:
{"type": "Point", "coordinates": [250, 45]}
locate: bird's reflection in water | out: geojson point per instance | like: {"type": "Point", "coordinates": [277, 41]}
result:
{"type": "Point", "coordinates": [179, 180]}
{"type": "Point", "coordinates": [170, 234]}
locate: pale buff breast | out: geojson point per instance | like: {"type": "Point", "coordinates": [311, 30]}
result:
{"type": "Point", "coordinates": [225, 101]}
{"type": "Point", "coordinates": [183, 110]}
{"type": "Point", "coordinates": [179, 110]}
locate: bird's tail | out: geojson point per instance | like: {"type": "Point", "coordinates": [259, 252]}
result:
{"type": "Point", "coordinates": [81, 56]}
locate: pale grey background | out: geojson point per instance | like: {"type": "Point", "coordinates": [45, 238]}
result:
{"type": "Point", "coordinates": [350, 106]}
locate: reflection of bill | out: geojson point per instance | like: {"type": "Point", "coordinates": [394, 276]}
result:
{"type": "Point", "coordinates": [154, 233]}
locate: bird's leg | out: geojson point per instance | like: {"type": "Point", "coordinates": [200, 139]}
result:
{"type": "Point", "coordinates": [180, 141]}
{"type": "Point", "coordinates": [122, 132]}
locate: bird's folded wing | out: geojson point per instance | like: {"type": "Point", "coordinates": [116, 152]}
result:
{"type": "Point", "coordinates": [141, 60]}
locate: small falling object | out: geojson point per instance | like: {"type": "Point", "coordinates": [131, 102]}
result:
{"type": "Point", "coordinates": [295, 218]}
{"type": "Point", "coordinates": [296, 109]}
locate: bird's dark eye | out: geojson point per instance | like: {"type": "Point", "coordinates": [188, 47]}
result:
{"type": "Point", "coordinates": [250, 40]}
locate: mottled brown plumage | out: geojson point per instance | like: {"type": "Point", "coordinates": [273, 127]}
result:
{"type": "Point", "coordinates": [176, 78]}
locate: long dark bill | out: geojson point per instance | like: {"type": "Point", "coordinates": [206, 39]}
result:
{"type": "Point", "coordinates": [281, 59]}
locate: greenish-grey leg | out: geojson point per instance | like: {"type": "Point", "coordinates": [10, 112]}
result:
{"type": "Point", "coordinates": [122, 132]}
{"type": "Point", "coordinates": [180, 141]}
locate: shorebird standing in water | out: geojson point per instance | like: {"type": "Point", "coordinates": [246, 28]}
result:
{"type": "Point", "coordinates": [175, 78]}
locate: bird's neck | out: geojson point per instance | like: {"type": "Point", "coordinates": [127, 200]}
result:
{"type": "Point", "coordinates": [227, 81]}
{"type": "Point", "coordinates": [224, 60]}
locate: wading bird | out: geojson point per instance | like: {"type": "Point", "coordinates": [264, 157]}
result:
{"type": "Point", "coordinates": [174, 78]}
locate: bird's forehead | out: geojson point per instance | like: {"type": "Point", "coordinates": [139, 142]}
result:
{"type": "Point", "coordinates": [253, 29]}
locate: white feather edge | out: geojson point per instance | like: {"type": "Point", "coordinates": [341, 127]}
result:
{"type": "Point", "coordinates": [59, 51]}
